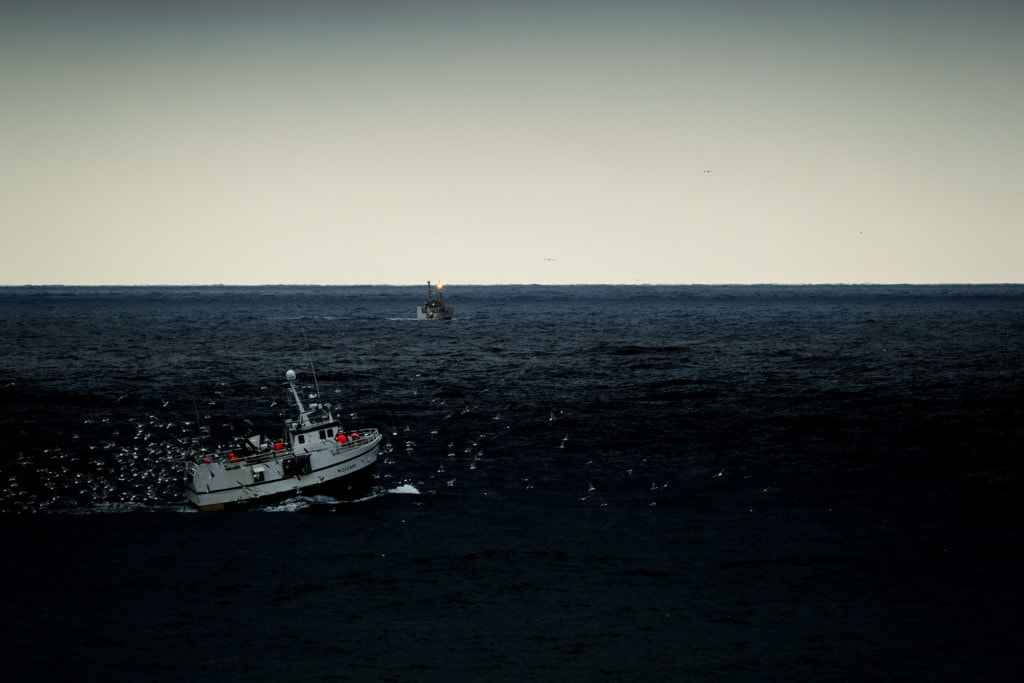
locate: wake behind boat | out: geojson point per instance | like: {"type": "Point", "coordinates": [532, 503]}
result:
{"type": "Point", "coordinates": [315, 455]}
{"type": "Point", "coordinates": [434, 308]}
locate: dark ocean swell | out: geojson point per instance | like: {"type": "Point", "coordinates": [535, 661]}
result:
{"type": "Point", "coordinates": [576, 483]}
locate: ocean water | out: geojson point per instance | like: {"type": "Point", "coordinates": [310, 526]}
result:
{"type": "Point", "coordinates": [578, 483]}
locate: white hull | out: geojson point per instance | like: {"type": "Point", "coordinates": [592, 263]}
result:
{"type": "Point", "coordinates": [433, 313]}
{"type": "Point", "coordinates": [346, 469]}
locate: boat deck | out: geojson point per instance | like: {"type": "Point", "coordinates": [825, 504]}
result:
{"type": "Point", "coordinates": [234, 459]}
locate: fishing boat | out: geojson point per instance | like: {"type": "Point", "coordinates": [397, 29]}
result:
{"type": "Point", "coordinates": [315, 455]}
{"type": "Point", "coordinates": [434, 308]}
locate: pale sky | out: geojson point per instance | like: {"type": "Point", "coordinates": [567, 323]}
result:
{"type": "Point", "coordinates": [317, 142]}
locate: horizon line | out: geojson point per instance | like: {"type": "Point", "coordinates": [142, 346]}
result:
{"type": "Point", "coordinates": [533, 284]}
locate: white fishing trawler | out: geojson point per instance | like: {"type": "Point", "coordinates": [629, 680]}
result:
{"type": "Point", "coordinates": [434, 308]}
{"type": "Point", "coordinates": [314, 456]}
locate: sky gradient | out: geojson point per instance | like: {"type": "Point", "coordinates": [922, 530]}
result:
{"type": "Point", "coordinates": [308, 142]}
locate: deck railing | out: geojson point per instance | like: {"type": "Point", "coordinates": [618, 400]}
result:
{"type": "Point", "coordinates": [366, 436]}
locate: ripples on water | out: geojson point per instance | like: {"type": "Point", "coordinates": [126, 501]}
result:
{"type": "Point", "coordinates": [583, 483]}
{"type": "Point", "coordinates": [624, 392]}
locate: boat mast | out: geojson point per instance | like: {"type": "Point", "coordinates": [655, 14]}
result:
{"type": "Point", "coordinates": [290, 376]}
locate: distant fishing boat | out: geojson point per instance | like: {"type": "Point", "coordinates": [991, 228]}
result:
{"type": "Point", "coordinates": [434, 308]}
{"type": "Point", "coordinates": [315, 455]}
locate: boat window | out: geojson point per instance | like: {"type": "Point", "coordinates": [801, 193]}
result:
{"type": "Point", "coordinates": [330, 433]}
{"type": "Point", "coordinates": [302, 438]}
{"type": "Point", "coordinates": [323, 434]}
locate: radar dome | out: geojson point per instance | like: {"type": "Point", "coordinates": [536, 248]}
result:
{"type": "Point", "coordinates": [290, 375]}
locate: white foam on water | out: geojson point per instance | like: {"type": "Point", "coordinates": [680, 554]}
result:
{"type": "Point", "coordinates": [290, 505]}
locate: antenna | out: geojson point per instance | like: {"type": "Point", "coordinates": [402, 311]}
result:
{"type": "Point", "coordinates": [311, 366]}
{"type": "Point", "coordinates": [195, 410]}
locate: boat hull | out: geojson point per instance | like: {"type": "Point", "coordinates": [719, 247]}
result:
{"type": "Point", "coordinates": [343, 471]}
{"type": "Point", "coordinates": [433, 313]}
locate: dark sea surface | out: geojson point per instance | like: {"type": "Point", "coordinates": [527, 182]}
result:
{"type": "Point", "coordinates": [577, 483]}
